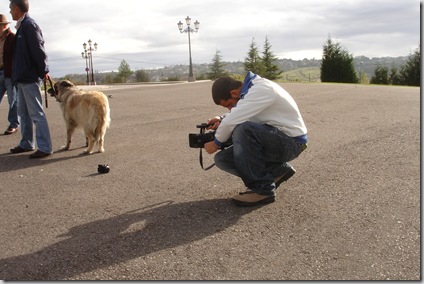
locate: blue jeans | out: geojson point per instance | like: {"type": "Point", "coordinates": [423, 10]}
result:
{"type": "Point", "coordinates": [259, 154]}
{"type": "Point", "coordinates": [6, 85]}
{"type": "Point", "coordinates": [30, 109]}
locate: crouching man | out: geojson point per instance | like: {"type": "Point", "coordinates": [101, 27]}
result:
{"type": "Point", "coordinates": [267, 130]}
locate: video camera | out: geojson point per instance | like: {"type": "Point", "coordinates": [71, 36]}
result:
{"type": "Point", "coordinates": [199, 140]}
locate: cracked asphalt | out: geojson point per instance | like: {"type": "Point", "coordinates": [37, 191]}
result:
{"type": "Point", "coordinates": [351, 212]}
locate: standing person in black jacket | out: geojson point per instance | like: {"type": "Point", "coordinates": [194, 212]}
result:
{"type": "Point", "coordinates": [29, 68]}
{"type": "Point", "coordinates": [6, 53]}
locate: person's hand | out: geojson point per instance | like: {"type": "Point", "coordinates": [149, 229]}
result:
{"type": "Point", "coordinates": [47, 76]}
{"type": "Point", "coordinates": [211, 147]}
{"type": "Point", "coordinates": [214, 123]}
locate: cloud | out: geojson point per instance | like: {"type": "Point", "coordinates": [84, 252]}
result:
{"type": "Point", "coordinates": [145, 34]}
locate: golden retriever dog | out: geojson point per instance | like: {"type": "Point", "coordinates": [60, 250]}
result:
{"type": "Point", "coordinates": [88, 110]}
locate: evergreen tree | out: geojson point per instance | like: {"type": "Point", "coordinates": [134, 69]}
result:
{"type": "Point", "coordinates": [253, 61]}
{"type": "Point", "coordinates": [141, 76]}
{"type": "Point", "coordinates": [271, 70]}
{"type": "Point", "coordinates": [381, 76]}
{"type": "Point", "coordinates": [337, 64]}
{"type": "Point", "coordinates": [394, 77]}
{"type": "Point", "coordinates": [217, 68]}
{"type": "Point", "coordinates": [124, 70]}
{"type": "Point", "coordinates": [410, 73]}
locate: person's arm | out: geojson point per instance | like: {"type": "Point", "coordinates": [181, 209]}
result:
{"type": "Point", "coordinates": [211, 147]}
{"type": "Point", "coordinates": [35, 41]}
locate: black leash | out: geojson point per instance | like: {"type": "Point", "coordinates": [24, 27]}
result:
{"type": "Point", "coordinates": [45, 90]}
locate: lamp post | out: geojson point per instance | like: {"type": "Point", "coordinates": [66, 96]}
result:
{"type": "Point", "coordinates": [85, 56]}
{"type": "Point", "coordinates": [88, 55]}
{"type": "Point", "coordinates": [189, 30]}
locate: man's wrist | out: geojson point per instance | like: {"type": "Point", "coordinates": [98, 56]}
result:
{"type": "Point", "coordinates": [217, 143]}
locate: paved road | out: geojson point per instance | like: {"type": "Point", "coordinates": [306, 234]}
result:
{"type": "Point", "coordinates": [352, 211]}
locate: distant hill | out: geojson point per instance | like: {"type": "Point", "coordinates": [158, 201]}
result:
{"type": "Point", "coordinates": [293, 70]}
{"type": "Point", "coordinates": [310, 70]}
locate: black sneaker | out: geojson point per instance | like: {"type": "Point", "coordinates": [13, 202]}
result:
{"type": "Point", "coordinates": [18, 150]}
{"type": "Point", "coordinates": [285, 176]}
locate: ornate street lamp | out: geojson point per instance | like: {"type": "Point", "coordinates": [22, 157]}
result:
{"type": "Point", "coordinates": [85, 56]}
{"type": "Point", "coordinates": [88, 55]}
{"type": "Point", "coordinates": [189, 30]}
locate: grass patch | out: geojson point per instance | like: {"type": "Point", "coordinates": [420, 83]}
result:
{"type": "Point", "coordinates": [307, 74]}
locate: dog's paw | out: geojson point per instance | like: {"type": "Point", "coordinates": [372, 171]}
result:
{"type": "Point", "coordinates": [65, 148]}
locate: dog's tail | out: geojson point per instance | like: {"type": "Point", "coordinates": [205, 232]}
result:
{"type": "Point", "coordinates": [102, 122]}
{"type": "Point", "coordinates": [106, 118]}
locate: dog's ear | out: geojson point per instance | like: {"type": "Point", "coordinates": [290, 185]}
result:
{"type": "Point", "coordinates": [66, 84]}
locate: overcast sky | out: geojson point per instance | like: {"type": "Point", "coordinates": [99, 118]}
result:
{"type": "Point", "coordinates": [145, 33]}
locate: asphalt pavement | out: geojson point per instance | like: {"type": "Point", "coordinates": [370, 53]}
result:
{"type": "Point", "coordinates": [351, 212]}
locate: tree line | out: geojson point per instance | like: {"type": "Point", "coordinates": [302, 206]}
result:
{"type": "Point", "coordinates": [336, 66]}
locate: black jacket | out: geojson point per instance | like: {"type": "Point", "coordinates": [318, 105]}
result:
{"type": "Point", "coordinates": [29, 56]}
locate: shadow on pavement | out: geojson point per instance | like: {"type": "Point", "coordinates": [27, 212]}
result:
{"type": "Point", "coordinates": [134, 234]}
{"type": "Point", "coordinates": [12, 162]}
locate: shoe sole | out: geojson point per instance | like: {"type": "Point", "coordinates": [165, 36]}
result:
{"type": "Point", "coordinates": [267, 200]}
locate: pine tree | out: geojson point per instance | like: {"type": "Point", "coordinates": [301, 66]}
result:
{"type": "Point", "coordinates": [410, 73]}
{"type": "Point", "coordinates": [124, 70]}
{"type": "Point", "coordinates": [337, 64]}
{"type": "Point", "coordinates": [141, 76]}
{"type": "Point", "coordinates": [217, 68]}
{"type": "Point", "coordinates": [381, 76]}
{"type": "Point", "coordinates": [271, 71]}
{"type": "Point", "coordinates": [253, 61]}
{"type": "Point", "coordinates": [394, 77]}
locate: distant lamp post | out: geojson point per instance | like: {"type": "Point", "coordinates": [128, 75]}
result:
{"type": "Point", "coordinates": [189, 30]}
{"type": "Point", "coordinates": [87, 54]}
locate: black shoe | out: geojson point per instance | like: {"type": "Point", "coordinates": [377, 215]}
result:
{"type": "Point", "coordinates": [10, 130]}
{"type": "Point", "coordinates": [18, 150]}
{"type": "Point", "coordinates": [39, 154]}
{"type": "Point", "coordinates": [285, 176]}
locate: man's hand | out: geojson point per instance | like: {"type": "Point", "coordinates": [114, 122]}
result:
{"type": "Point", "coordinates": [211, 147]}
{"type": "Point", "coordinates": [214, 123]}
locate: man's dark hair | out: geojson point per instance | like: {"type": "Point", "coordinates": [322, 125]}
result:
{"type": "Point", "coordinates": [222, 87]}
{"type": "Point", "coordinates": [23, 5]}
